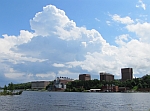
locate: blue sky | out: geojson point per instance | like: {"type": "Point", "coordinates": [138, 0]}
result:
{"type": "Point", "coordinates": [42, 39]}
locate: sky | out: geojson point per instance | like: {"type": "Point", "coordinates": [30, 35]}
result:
{"type": "Point", "coordinates": [42, 40]}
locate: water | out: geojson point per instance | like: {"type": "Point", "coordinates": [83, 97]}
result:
{"type": "Point", "coordinates": [73, 101]}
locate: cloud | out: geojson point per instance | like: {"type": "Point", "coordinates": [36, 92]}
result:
{"type": "Point", "coordinates": [12, 75]}
{"type": "Point", "coordinates": [97, 19]}
{"type": "Point", "coordinates": [141, 4]}
{"type": "Point", "coordinates": [122, 39]}
{"type": "Point", "coordinates": [84, 44]}
{"type": "Point", "coordinates": [45, 76]}
{"type": "Point", "coordinates": [56, 39]}
{"type": "Point", "coordinates": [133, 54]}
{"type": "Point", "coordinates": [8, 42]}
{"type": "Point", "coordinates": [64, 28]}
{"type": "Point", "coordinates": [58, 65]}
{"type": "Point", "coordinates": [57, 46]}
{"type": "Point", "coordinates": [108, 23]}
{"type": "Point", "coordinates": [125, 20]}
{"type": "Point", "coordinates": [141, 30]}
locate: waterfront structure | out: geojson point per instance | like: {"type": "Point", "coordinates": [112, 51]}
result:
{"type": "Point", "coordinates": [110, 88]}
{"type": "Point", "coordinates": [106, 76]}
{"type": "Point", "coordinates": [60, 83]}
{"type": "Point", "coordinates": [127, 74]}
{"type": "Point", "coordinates": [94, 90]}
{"type": "Point", "coordinates": [84, 77]}
{"type": "Point", "coordinates": [39, 84]}
{"type": "Point", "coordinates": [122, 89]}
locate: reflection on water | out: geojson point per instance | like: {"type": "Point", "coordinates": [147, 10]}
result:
{"type": "Point", "coordinates": [67, 101]}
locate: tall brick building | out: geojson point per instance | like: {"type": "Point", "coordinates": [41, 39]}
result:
{"type": "Point", "coordinates": [106, 76]}
{"type": "Point", "coordinates": [127, 74]}
{"type": "Point", "coordinates": [84, 77]}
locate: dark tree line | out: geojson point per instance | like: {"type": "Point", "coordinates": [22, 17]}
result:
{"type": "Point", "coordinates": [134, 84]}
{"type": "Point", "coordinates": [23, 86]}
{"type": "Point", "coordinates": [12, 86]}
{"type": "Point", "coordinates": [9, 90]}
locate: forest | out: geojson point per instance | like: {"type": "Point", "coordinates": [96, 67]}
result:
{"type": "Point", "coordinates": [12, 86]}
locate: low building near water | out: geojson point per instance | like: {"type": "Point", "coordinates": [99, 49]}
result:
{"type": "Point", "coordinates": [110, 88]}
{"type": "Point", "coordinates": [95, 90]}
{"type": "Point", "coordinates": [122, 89]}
{"type": "Point", "coordinates": [39, 84]}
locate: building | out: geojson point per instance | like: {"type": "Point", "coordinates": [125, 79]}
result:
{"type": "Point", "coordinates": [60, 83]}
{"type": "Point", "coordinates": [106, 76]}
{"type": "Point", "coordinates": [122, 89]}
{"type": "Point", "coordinates": [39, 84]}
{"type": "Point", "coordinates": [94, 90]}
{"type": "Point", "coordinates": [127, 74]}
{"type": "Point", "coordinates": [109, 88]}
{"type": "Point", "coordinates": [84, 77]}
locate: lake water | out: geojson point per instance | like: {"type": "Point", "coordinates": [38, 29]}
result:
{"type": "Point", "coordinates": [73, 101]}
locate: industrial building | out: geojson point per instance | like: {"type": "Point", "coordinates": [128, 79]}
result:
{"type": "Point", "coordinates": [127, 74]}
{"type": "Point", "coordinates": [39, 84]}
{"type": "Point", "coordinates": [60, 83]}
{"type": "Point", "coordinates": [106, 76]}
{"type": "Point", "coordinates": [84, 77]}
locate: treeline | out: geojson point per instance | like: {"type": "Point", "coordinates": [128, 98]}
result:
{"type": "Point", "coordinates": [12, 86]}
{"type": "Point", "coordinates": [134, 84]}
{"type": "Point", "coordinates": [23, 86]}
{"type": "Point", "coordinates": [9, 90]}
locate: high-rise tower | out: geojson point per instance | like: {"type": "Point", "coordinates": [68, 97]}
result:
{"type": "Point", "coordinates": [106, 76]}
{"type": "Point", "coordinates": [127, 74]}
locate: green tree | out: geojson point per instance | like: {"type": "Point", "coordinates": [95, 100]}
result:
{"type": "Point", "coordinates": [11, 87]}
{"type": "Point", "coordinates": [5, 89]}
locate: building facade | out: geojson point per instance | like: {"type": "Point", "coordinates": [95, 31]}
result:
{"type": "Point", "coordinates": [39, 84]}
{"type": "Point", "coordinates": [106, 76]}
{"type": "Point", "coordinates": [127, 74]}
{"type": "Point", "coordinates": [84, 77]}
{"type": "Point", "coordinates": [60, 83]}
{"type": "Point", "coordinates": [109, 88]}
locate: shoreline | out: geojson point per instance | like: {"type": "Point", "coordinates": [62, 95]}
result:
{"type": "Point", "coordinates": [5, 93]}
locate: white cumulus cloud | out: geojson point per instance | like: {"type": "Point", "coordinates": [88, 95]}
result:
{"type": "Point", "coordinates": [58, 47]}
{"type": "Point", "coordinates": [124, 20]}
{"type": "Point", "coordinates": [141, 30]}
{"type": "Point", "coordinates": [58, 65]}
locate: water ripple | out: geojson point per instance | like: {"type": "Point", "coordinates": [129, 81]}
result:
{"type": "Point", "coordinates": [67, 101]}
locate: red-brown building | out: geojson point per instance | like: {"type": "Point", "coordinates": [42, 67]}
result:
{"type": "Point", "coordinates": [127, 74]}
{"type": "Point", "coordinates": [110, 88]}
{"type": "Point", "coordinates": [84, 77]}
{"type": "Point", "coordinates": [122, 89]}
{"type": "Point", "coordinates": [106, 76]}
